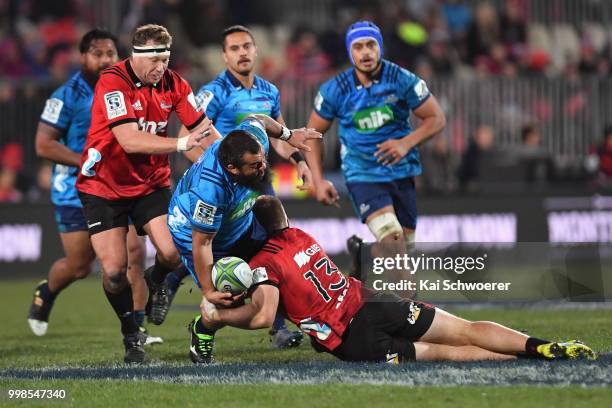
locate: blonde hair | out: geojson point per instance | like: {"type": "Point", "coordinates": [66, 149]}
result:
{"type": "Point", "coordinates": [157, 33]}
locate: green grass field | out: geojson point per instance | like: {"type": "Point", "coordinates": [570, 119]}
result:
{"type": "Point", "coordinates": [84, 337]}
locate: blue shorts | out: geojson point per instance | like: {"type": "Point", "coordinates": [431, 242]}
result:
{"type": "Point", "coordinates": [70, 219]}
{"type": "Point", "coordinates": [401, 194]}
{"type": "Point", "coordinates": [245, 248]}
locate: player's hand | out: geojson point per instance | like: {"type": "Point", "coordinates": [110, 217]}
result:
{"type": "Point", "coordinates": [199, 133]}
{"type": "Point", "coordinates": [209, 311]}
{"type": "Point", "coordinates": [299, 136]}
{"type": "Point", "coordinates": [392, 151]}
{"type": "Point", "coordinates": [327, 193]}
{"type": "Point", "coordinates": [305, 175]}
{"type": "Point", "coordinates": [219, 298]}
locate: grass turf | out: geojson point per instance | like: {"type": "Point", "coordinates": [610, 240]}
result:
{"type": "Point", "coordinates": [83, 332]}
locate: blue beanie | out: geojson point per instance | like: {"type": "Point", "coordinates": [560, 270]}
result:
{"type": "Point", "coordinates": [361, 30]}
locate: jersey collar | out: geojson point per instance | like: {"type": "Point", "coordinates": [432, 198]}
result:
{"type": "Point", "coordinates": [137, 82]}
{"type": "Point", "coordinates": [375, 80]}
{"type": "Point", "coordinates": [235, 82]}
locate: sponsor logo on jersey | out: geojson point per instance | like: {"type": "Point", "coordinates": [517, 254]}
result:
{"type": "Point", "coordinates": [204, 213]}
{"type": "Point", "coordinates": [177, 219]}
{"type": "Point", "coordinates": [168, 106]}
{"type": "Point", "coordinates": [321, 330]}
{"type": "Point", "coordinates": [370, 120]}
{"type": "Point", "coordinates": [420, 89]}
{"type": "Point", "coordinates": [137, 105]}
{"type": "Point", "coordinates": [53, 108]}
{"type": "Point", "coordinates": [392, 358]}
{"type": "Point", "coordinates": [303, 257]}
{"type": "Point", "coordinates": [115, 104]}
{"type": "Point", "coordinates": [260, 275]}
{"type": "Point", "coordinates": [244, 206]}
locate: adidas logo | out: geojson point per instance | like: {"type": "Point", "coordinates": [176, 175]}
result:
{"type": "Point", "coordinates": [301, 258]}
{"type": "Point", "coordinates": [137, 105]}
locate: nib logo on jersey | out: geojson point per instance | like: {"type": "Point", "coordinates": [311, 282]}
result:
{"type": "Point", "coordinates": [303, 257]}
{"type": "Point", "coordinates": [370, 120]}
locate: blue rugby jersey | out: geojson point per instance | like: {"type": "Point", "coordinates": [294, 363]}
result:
{"type": "Point", "coordinates": [208, 200]}
{"type": "Point", "coordinates": [69, 111]}
{"type": "Point", "coordinates": [226, 102]}
{"type": "Point", "coordinates": [369, 116]}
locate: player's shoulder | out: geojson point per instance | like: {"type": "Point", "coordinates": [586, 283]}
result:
{"type": "Point", "coordinates": [219, 87]}
{"type": "Point", "coordinates": [395, 74]}
{"type": "Point", "coordinates": [116, 75]}
{"type": "Point", "coordinates": [211, 170]}
{"type": "Point", "coordinates": [265, 85]}
{"type": "Point", "coordinates": [340, 84]}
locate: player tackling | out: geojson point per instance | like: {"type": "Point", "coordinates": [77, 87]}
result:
{"type": "Point", "coordinates": [343, 318]}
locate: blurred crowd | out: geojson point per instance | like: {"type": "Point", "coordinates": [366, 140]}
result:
{"type": "Point", "coordinates": [465, 40]}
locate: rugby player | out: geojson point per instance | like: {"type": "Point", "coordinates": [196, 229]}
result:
{"type": "Point", "coordinates": [210, 212]}
{"type": "Point", "coordinates": [60, 137]}
{"type": "Point", "coordinates": [227, 100]}
{"type": "Point", "coordinates": [373, 101]}
{"type": "Point", "coordinates": [357, 324]}
{"type": "Point", "coordinates": [124, 169]}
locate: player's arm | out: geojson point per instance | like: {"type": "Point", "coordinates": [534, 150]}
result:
{"type": "Point", "coordinates": [295, 137]}
{"type": "Point", "coordinates": [49, 147]}
{"type": "Point", "coordinates": [432, 122]}
{"type": "Point", "coordinates": [293, 155]}
{"type": "Point", "coordinates": [258, 314]}
{"type": "Point", "coordinates": [193, 154]}
{"type": "Point", "coordinates": [325, 191]}
{"type": "Point", "coordinates": [203, 262]}
{"type": "Point", "coordinates": [133, 140]}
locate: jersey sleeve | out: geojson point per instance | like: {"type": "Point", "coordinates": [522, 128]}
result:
{"type": "Point", "coordinates": [207, 204]}
{"type": "Point", "coordinates": [187, 109]}
{"type": "Point", "coordinates": [325, 101]}
{"type": "Point", "coordinates": [114, 94]}
{"type": "Point", "coordinates": [210, 99]}
{"type": "Point", "coordinates": [58, 110]}
{"type": "Point", "coordinates": [256, 128]}
{"type": "Point", "coordinates": [415, 89]}
{"type": "Point", "coordinates": [264, 270]}
{"type": "Point", "coordinates": [276, 108]}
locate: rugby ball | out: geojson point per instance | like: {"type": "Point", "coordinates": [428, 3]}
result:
{"type": "Point", "coordinates": [232, 274]}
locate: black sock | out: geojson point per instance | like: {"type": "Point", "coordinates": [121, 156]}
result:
{"type": "Point", "coordinates": [123, 306]}
{"type": "Point", "coordinates": [159, 272]}
{"type": "Point", "coordinates": [45, 293]}
{"type": "Point", "coordinates": [203, 330]}
{"type": "Point", "coordinates": [531, 346]}
{"type": "Point", "coordinates": [181, 272]}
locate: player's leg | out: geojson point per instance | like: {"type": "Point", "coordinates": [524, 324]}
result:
{"type": "Point", "coordinates": [140, 292]}
{"type": "Point", "coordinates": [454, 331]}
{"type": "Point", "coordinates": [76, 264]}
{"type": "Point", "coordinates": [150, 215]}
{"type": "Point", "coordinates": [436, 352]}
{"type": "Point", "coordinates": [108, 222]}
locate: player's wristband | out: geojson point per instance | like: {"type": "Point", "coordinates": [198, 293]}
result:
{"type": "Point", "coordinates": [297, 157]}
{"type": "Point", "coordinates": [181, 143]}
{"type": "Point", "coordinates": [285, 134]}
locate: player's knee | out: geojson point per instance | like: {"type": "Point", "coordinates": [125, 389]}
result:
{"type": "Point", "coordinates": [169, 257]}
{"type": "Point", "coordinates": [82, 271]}
{"type": "Point", "coordinates": [386, 227]}
{"type": "Point", "coordinates": [115, 280]}
{"type": "Point", "coordinates": [136, 253]}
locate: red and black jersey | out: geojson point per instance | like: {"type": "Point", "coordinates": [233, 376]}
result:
{"type": "Point", "coordinates": [120, 97]}
{"type": "Point", "coordinates": [315, 295]}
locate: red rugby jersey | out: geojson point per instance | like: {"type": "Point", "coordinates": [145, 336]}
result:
{"type": "Point", "coordinates": [120, 97]}
{"type": "Point", "coordinates": [315, 295]}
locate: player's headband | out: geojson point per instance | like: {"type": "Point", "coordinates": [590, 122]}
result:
{"type": "Point", "coordinates": [157, 50]}
{"type": "Point", "coordinates": [362, 30]}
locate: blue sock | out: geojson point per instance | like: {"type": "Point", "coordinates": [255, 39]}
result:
{"type": "Point", "coordinates": [279, 322]}
{"type": "Point", "coordinates": [174, 278]}
{"type": "Point", "coordinates": [139, 316]}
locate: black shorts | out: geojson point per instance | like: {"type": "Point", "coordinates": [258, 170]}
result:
{"type": "Point", "coordinates": [103, 214]}
{"type": "Point", "coordinates": [384, 329]}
